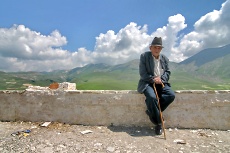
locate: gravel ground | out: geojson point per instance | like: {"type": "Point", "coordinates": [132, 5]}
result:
{"type": "Point", "coordinates": [64, 138]}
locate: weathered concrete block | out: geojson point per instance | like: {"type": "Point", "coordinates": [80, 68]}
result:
{"type": "Point", "coordinates": [67, 86]}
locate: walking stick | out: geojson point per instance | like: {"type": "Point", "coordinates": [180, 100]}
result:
{"type": "Point", "coordinates": [158, 102]}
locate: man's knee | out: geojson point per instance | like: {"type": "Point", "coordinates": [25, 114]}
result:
{"type": "Point", "coordinates": [169, 97]}
{"type": "Point", "coordinates": [172, 96]}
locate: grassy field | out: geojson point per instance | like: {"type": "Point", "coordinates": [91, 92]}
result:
{"type": "Point", "coordinates": [187, 81]}
{"type": "Point", "coordinates": [178, 80]}
{"type": "Point", "coordinates": [106, 81]}
{"type": "Point", "coordinates": [117, 81]}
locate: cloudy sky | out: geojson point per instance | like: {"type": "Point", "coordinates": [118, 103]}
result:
{"type": "Point", "coordinates": [47, 35]}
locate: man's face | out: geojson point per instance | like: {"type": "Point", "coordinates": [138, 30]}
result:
{"type": "Point", "coordinates": [155, 50]}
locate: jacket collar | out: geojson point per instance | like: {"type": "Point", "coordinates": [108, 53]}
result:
{"type": "Point", "coordinates": [152, 62]}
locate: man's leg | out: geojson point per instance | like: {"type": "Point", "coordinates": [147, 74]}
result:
{"type": "Point", "coordinates": [166, 98]}
{"type": "Point", "coordinates": [152, 106]}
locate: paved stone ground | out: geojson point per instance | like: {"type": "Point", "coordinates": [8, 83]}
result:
{"type": "Point", "coordinates": [64, 138]}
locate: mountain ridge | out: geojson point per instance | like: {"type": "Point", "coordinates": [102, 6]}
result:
{"type": "Point", "coordinates": [208, 55]}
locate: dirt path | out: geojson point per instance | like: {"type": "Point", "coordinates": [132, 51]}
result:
{"type": "Point", "coordinates": [65, 138]}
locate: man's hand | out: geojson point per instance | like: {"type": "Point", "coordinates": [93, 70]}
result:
{"type": "Point", "coordinates": [157, 80]}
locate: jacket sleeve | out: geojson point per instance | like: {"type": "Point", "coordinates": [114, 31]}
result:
{"type": "Point", "coordinates": [143, 70]}
{"type": "Point", "coordinates": [166, 75]}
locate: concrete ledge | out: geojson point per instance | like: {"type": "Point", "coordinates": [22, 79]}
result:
{"type": "Point", "coordinates": [191, 109]}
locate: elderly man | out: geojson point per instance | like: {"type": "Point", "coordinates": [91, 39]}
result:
{"type": "Point", "coordinates": [154, 70]}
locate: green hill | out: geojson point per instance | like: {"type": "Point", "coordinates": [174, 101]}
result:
{"type": "Point", "coordinates": [104, 77]}
{"type": "Point", "coordinates": [10, 82]}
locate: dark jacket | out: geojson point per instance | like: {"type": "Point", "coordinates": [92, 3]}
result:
{"type": "Point", "coordinates": [146, 70]}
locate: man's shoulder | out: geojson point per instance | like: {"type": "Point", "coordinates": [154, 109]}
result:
{"type": "Point", "coordinates": [164, 57]}
{"type": "Point", "coordinates": [147, 53]}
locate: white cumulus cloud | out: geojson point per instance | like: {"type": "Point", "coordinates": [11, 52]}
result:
{"type": "Point", "coordinates": [22, 49]}
{"type": "Point", "coordinates": [169, 34]}
{"type": "Point", "coordinates": [122, 47]}
{"type": "Point", "coordinates": [211, 30]}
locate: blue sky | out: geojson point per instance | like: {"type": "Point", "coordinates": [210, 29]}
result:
{"type": "Point", "coordinates": [57, 34]}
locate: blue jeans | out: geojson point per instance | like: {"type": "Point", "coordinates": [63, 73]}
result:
{"type": "Point", "coordinates": [166, 96]}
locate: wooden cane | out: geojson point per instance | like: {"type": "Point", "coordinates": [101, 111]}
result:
{"type": "Point", "coordinates": [158, 102]}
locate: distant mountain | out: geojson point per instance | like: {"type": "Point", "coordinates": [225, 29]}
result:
{"type": "Point", "coordinates": [210, 64]}
{"type": "Point", "coordinates": [219, 67]}
{"type": "Point", "coordinates": [208, 69]}
{"type": "Point", "coordinates": [131, 65]}
{"type": "Point", "coordinates": [101, 67]}
{"type": "Point", "coordinates": [207, 55]}
{"type": "Point", "coordinates": [89, 68]}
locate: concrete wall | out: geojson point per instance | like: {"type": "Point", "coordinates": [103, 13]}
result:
{"type": "Point", "coordinates": [191, 109]}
